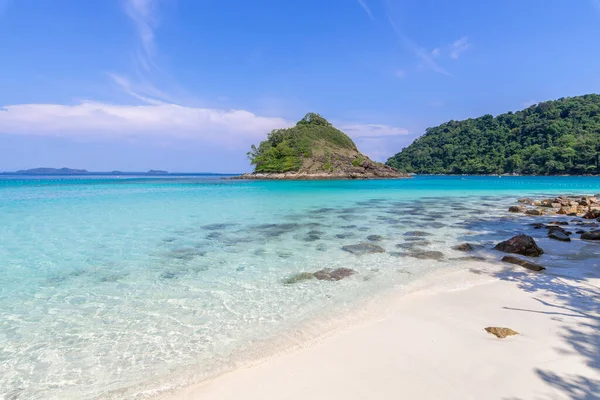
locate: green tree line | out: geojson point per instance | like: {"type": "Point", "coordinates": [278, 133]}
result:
{"type": "Point", "coordinates": [550, 138]}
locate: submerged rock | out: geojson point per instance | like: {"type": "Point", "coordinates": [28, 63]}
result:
{"type": "Point", "coordinates": [466, 247]}
{"type": "Point", "coordinates": [592, 235]}
{"type": "Point", "coordinates": [517, 209]}
{"type": "Point", "coordinates": [375, 238]}
{"type": "Point", "coordinates": [523, 263]}
{"type": "Point", "coordinates": [500, 333]}
{"type": "Point", "coordinates": [425, 255]}
{"type": "Point", "coordinates": [333, 275]}
{"type": "Point", "coordinates": [302, 276]}
{"type": "Point", "coordinates": [521, 244]}
{"type": "Point", "coordinates": [363, 248]}
{"type": "Point", "coordinates": [417, 234]}
{"type": "Point", "coordinates": [527, 201]}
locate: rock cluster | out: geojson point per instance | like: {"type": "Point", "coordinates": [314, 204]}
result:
{"type": "Point", "coordinates": [587, 207]}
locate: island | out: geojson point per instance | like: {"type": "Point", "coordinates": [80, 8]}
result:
{"type": "Point", "coordinates": [313, 149]}
{"type": "Point", "coordinates": [52, 171]}
{"type": "Point", "coordinates": [560, 137]}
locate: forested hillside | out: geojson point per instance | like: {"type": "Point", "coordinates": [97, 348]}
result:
{"type": "Point", "coordinates": [553, 137]}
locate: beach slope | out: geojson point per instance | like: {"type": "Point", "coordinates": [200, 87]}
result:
{"type": "Point", "coordinates": [431, 344]}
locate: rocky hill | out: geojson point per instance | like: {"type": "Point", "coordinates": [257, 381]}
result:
{"type": "Point", "coordinates": [313, 149]}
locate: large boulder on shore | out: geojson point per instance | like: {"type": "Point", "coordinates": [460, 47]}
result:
{"type": "Point", "coordinates": [521, 244]}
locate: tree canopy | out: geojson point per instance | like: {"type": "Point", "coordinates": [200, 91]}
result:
{"type": "Point", "coordinates": [550, 138]}
{"type": "Point", "coordinates": [284, 149]}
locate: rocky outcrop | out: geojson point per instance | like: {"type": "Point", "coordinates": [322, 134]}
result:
{"type": "Point", "coordinates": [521, 244]}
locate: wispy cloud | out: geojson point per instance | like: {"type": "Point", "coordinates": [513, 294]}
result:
{"type": "Point", "coordinates": [435, 52]}
{"type": "Point", "coordinates": [458, 47]}
{"type": "Point", "coordinates": [422, 54]}
{"type": "Point", "coordinates": [596, 3]}
{"type": "Point", "coordinates": [358, 131]}
{"type": "Point", "coordinates": [365, 6]}
{"type": "Point", "coordinates": [109, 121]}
{"type": "Point", "coordinates": [143, 13]}
{"type": "Point", "coordinates": [401, 73]}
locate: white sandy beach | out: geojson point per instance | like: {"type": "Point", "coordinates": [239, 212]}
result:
{"type": "Point", "coordinates": [431, 344]}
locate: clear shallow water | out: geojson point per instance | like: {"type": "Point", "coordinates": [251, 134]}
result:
{"type": "Point", "coordinates": [108, 283]}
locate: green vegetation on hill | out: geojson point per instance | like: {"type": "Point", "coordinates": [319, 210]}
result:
{"type": "Point", "coordinates": [553, 137]}
{"type": "Point", "coordinates": [285, 149]}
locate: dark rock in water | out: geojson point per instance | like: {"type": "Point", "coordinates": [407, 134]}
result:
{"type": "Point", "coordinates": [348, 227]}
{"type": "Point", "coordinates": [344, 235]}
{"type": "Point", "coordinates": [538, 225]}
{"type": "Point", "coordinates": [425, 255]}
{"type": "Point", "coordinates": [526, 201]}
{"type": "Point", "coordinates": [559, 235]}
{"type": "Point", "coordinates": [374, 238]}
{"type": "Point", "coordinates": [592, 214]}
{"type": "Point", "coordinates": [216, 227]}
{"type": "Point", "coordinates": [214, 235]}
{"type": "Point", "coordinates": [315, 232]}
{"type": "Point", "coordinates": [260, 252]}
{"type": "Point", "coordinates": [363, 248]}
{"type": "Point", "coordinates": [501, 333]}
{"type": "Point", "coordinates": [415, 239]}
{"type": "Point", "coordinates": [523, 263]}
{"type": "Point", "coordinates": [321, 247]}
{"type": "Point", "coordinates": [312, 238]}
{"type": "Point", "coordinates": [534, 211]}
{"type": "Point", "coordinates": [592, 235]}
{"type": "Point", "coordinates": [335, 275]}
{"type": "Point", "coordinates": [469, 258]}
{"type": "Point", "coordinates": [186, 254]}
{"type": "Point", "coordinates": [517, 209]}
{"type": "Point", "coordinates": [580, 232]}
{"type": "Point", "coordinates": [302, 276]}
{"type": "Point", "coordinates": [558, 223]}
{"type": "Point", "coordinates": [363, 229]}
{"type": "Point", "coordinates": [324, 210]}
{"type": "Point", "coordinates": [464, 247]}
{"type": "Point", "coordinates": [411, 245]}
{"type": "Point", "coordinates": [588, 224]}
{"type": "Point", "coordinates": [169, 275]}
{"type": "Point", "coordinates": [417, 234]}
{"type": "Point", "coordinates": [521, 244]}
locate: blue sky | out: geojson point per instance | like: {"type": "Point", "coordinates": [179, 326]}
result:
{"type": "Point", "coordinates": [188, 85]}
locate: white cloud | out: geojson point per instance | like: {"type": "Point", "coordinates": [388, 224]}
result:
{"type": "Point", "coordinates": [100, 120]}
{"type": "Point", "coordinates": [435, 52]}
{"type": "Point", "coordinates": [459, 47]}
{"type": "Point", "coordinates": [356, 131]}
{"type": "Point", "coordinates": [365, 7]}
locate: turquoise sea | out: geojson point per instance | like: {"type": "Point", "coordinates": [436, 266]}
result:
{"type": "Point", "coordinates": [120, 288]}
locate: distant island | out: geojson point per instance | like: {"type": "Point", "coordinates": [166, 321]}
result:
{"type": "Point", "coordinates": [559, 137]}
{"type": "Point", "coordinates": [71, 171]}
{"type": "Point", "coordinates": [313, 149]}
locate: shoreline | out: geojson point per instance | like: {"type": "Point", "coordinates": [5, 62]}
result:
{"type": "Point", "coordinates": [427, 339]}
{"type": "Point", "coordinates": [429, 342]}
